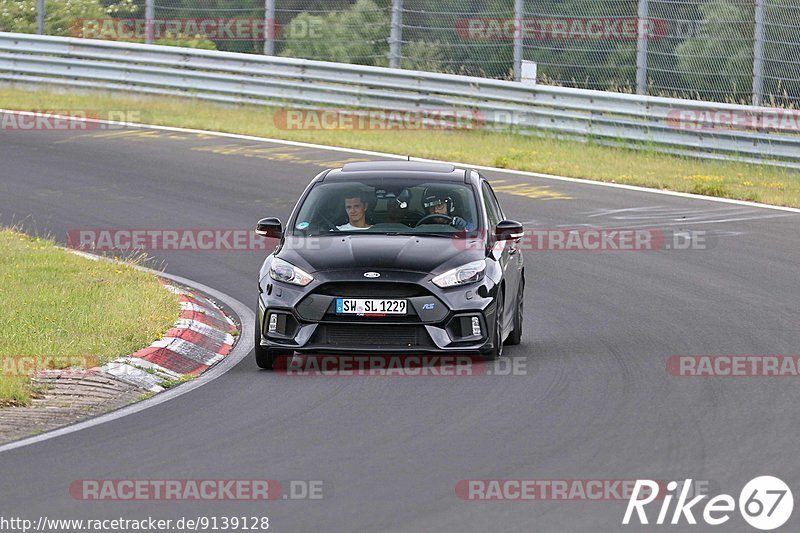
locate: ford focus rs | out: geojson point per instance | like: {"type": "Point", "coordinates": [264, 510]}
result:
{"type": "Point", "coordinates": [391, 257]}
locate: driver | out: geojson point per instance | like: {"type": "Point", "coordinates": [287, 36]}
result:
{"type": "Point", "coordinates": [437, 202]}
{"type": "Point", "coordinates": [356, 206]}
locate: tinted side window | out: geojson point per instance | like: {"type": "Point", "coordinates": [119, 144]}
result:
{"type": "Point", "coordinates": [500, 214]}
{"type": "Point", "coordinates": [492, 208]}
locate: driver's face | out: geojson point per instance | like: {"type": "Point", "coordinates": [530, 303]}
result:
{"type": "Point", "coordinates": [440, 209]}
{"type": "Point", "coordinates": [356, 209]}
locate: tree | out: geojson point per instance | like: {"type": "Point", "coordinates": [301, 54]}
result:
{"type": "Point", "coordinates": [718, 63]}
{"type": "Point", "coordinates": [251, 10]}
{"type": "Point", "coordinates": [20, 15]}
{"type": "Point", "coordinates": [585, 56]}
{"type": "Point", "coordinates": [434, 37]}
{"type": "Point", "coordinates": [781, 61]}
{"type": "Point", "coordinates": [355, 35]}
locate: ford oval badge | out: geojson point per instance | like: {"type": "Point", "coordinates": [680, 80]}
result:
{"type": "Point", "coordinates": [372, 275]}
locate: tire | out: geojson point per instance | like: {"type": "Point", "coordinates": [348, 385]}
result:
{"type": "Point", "coordinates": [497, 344]}
{"type": "Point", "coordinates": [515, 337]}
{"type": "Point", "coordinates": [266, 357]}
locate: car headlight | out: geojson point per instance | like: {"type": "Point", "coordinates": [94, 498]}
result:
{"type": "Point", "coordinates": [281, 270]}
{"type": "Point", "coordinates": [469, 273]}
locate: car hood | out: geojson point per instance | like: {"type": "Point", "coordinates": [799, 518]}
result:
{"type": "Point", "coordinates": [413, 253]}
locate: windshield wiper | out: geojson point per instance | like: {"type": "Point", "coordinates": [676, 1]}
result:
{"type": "Point", "coordinates": [426, 234]}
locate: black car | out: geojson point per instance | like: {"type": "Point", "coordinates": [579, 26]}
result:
{"type": "Point", "coordinates": [391, 256]}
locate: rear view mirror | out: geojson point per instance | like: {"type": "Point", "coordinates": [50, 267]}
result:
{"type": "Point", "coordinates": [403, 198]}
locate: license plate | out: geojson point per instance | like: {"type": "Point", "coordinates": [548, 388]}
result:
{"type": "Point", "coordinates": [369, 307]}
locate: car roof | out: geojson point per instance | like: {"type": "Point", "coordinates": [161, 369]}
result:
{"type": "Point", "coordinates": [398, 169]}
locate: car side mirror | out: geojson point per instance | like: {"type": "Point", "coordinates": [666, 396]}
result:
{"type": "Point", "coordinates": [509, 230]}
{"type": "Point", "coordinates": [270, 227]}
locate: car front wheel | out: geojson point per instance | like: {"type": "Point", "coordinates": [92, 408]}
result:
{"type": "Point", "coordinates": [497, 342]}
{"type": "Point", "coordinates": [515, 337]}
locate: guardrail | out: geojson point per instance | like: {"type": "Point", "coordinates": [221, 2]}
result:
{"type": "Point", "coordinates": [684, 127]}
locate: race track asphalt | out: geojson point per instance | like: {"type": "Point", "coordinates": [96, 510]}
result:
{"type": "Point", "coordinates": [595, 402]}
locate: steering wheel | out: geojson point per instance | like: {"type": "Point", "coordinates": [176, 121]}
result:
{"type": "Point", "coordinates": [432, 216]}
{"type": "Point", "coordinates": [330, 226]}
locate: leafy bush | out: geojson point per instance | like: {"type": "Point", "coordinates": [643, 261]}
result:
{"type": "Point", "coordinates": [358, 35]}
{"type": "Point", "coordinates": [187, 41]}
{"type": "Point", "coordinates": [719, 62]}
{"type": "Point", "coordinates": [20, 15]}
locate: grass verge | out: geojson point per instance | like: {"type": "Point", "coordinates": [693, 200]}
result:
{"type": "Point", "coordinates": [59, 309]}
{"type": "Point", "coordinates": [505, 150]}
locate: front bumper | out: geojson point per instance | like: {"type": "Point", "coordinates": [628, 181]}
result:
{"type": "Point", "coordinates": [438, 320]}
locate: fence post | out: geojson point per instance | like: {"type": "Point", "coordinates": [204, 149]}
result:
{"type": "Point", "coordinates": [641, 47]}
{"type": "Point", "coordinates": [758, 55]}
{"type": "Point", "coordinates": [269, 27]}
{"type": "Point", "coordinates": [396, 34]}
{"type": "Point", "coordinates": [518, 38]}
{"type": "Point", "coordinates": [149, 16]}
{"type": "Point", "coordinates": [40, 17]}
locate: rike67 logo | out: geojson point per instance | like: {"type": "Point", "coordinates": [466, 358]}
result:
{"type": "Point", "coordinates": [765, 502]}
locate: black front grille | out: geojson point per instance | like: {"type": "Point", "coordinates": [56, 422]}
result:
{"type": "Point", "coordinates": [374, 289]}
{"type": "Point", "coordinates": [371, 335]}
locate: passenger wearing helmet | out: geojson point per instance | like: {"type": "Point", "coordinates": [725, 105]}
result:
{"type": "Point", "coordinates": [437, 202]}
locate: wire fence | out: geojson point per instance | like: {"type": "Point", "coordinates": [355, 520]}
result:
{"type": "Point", "coordinates": [742, 51]}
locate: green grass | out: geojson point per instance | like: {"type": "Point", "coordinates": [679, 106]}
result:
{"type": "Point", "coordinates": [59, 309]}
{"type": "Point", "coordinates": [546, 155]}
{"type": "Point", "coordinates": [169, 383]}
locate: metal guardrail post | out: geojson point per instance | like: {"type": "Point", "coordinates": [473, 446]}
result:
{"type": "Point", "coordinates": [518, 38]}
{"type": "Point", "coordinates": [758, 54]}
{"type": "Point", "coordinates": [396, 34]}
{"type": "Point", "coordinates": [149, 16]}
{"type": "Point", "coordinates": [641, 47]}
{"type": "Point", "coordinates": [269, 27]}
{"type": "Point", "coordinates": [40, 17]}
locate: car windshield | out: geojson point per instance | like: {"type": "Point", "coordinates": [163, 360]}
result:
{"type": "Point", "coordinates": [388, 206]}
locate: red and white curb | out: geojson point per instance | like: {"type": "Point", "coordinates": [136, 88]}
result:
{"type": "Point", "coordinates": [200, 338]}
